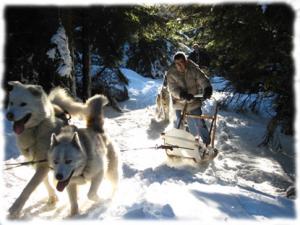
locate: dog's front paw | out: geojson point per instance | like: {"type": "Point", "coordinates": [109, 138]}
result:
{"type": "Point", "coordinates": [14, 211]}
{"type": "Point", "coordinates": [74, 211]}
{"type": "Point", "coordinates": [52, 200]}
{"type": "Point", "coordinates": [12, 216]}
{"type": "Point", "coordinates": [93, 196]}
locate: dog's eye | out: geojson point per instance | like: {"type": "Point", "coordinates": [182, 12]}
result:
{"type": "Point", "coordinates": [68, 161]}
{"type": "Point", "coordinates": [55, 162]}
{"type": "Point", "coordinates": [23, 104]}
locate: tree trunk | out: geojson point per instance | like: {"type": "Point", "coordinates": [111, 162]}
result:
{"type": "Point", "coordinates": [269, 139]}
{"type": "Point", "coordinates": [68, 23]}
{"type": "Point", "coordinates": [86, 58]}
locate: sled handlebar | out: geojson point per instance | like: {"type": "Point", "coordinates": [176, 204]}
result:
{"type": "Point", "coordinates": [196, 97]}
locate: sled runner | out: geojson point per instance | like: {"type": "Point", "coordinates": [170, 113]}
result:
{"type": "Point", "coordinates": [188, 145]}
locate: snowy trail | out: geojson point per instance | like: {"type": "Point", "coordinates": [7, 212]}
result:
{"type": "Point", "coordinates": [243, 182]}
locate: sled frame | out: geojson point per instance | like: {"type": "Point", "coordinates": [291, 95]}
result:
{"type": "Point", "coordinates": [213, 123]}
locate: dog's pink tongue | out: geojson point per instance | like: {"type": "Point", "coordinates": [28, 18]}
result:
{"type": "Point", "coordinates": [18, 127]}
{"type": "Point", "coordinates": [61, 185]}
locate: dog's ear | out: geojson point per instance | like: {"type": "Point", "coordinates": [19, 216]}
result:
{"type": "Point", "coordinates": [54, 141]}
{"type": "Point", "coordinates": [75, 141]}
{"type": "Point", "coordinates": [35, 90]}
{"type": "Point", "coordinates": [12, 84]}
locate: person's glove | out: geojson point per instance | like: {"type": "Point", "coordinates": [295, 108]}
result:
{"type": "Point", "coordinates": [186, 96]}
{"type": "Point", "coordinates": [207, 92]}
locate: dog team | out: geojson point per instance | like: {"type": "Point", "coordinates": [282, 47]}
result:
{"type": "Point", "coordinates": [76, 155]}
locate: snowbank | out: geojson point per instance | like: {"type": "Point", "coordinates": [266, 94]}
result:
{"type": "Point", "coordinates": [261, 103]}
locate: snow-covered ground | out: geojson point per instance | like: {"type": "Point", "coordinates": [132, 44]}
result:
{"type": "Point", "coordinates": [243, 182]}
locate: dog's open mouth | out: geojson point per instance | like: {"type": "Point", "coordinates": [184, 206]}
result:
{"type": "Point", "coordinates": [19, 125]}
{"type": "Point", "coordinates": [62, 184]}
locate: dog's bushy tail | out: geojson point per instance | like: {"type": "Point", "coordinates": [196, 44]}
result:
{"type": "Point", "coordinates": [94, 112]}
{"type": "Point", "coordinates": [61, 98]}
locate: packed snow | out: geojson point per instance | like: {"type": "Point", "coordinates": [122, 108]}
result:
{"type": "Point", "coordinates": [243, 181]}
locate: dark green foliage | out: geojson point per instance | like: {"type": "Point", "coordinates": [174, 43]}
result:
{"type": "Point", "coordinates": [149, 57]}
{"type": "Point", "coordinates": [104, 28]}
{"type": "Point", "coordinates": [256, 48]}
{"type": "Point", "coordinates": [28, 31]}
{"type": "Point", "coordinates": [249, 46]}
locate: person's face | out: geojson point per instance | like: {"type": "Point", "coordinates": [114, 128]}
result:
{"type": "Point", "coordinates": [180, 65]}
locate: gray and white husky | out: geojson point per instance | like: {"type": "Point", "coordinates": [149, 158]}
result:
{"type": "Point", "coordinates": [33, 114]}
{"type": "Point", "coordinates": [84, 155]}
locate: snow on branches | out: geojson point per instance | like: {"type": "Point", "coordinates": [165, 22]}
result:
{"type": "Point", "coordinates": [61, 52]}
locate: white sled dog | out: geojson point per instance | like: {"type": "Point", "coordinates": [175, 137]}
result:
{"type": "Point", "coordinates": [85, 154]}
{"type": "Point", "coordinates": [33, 115]}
